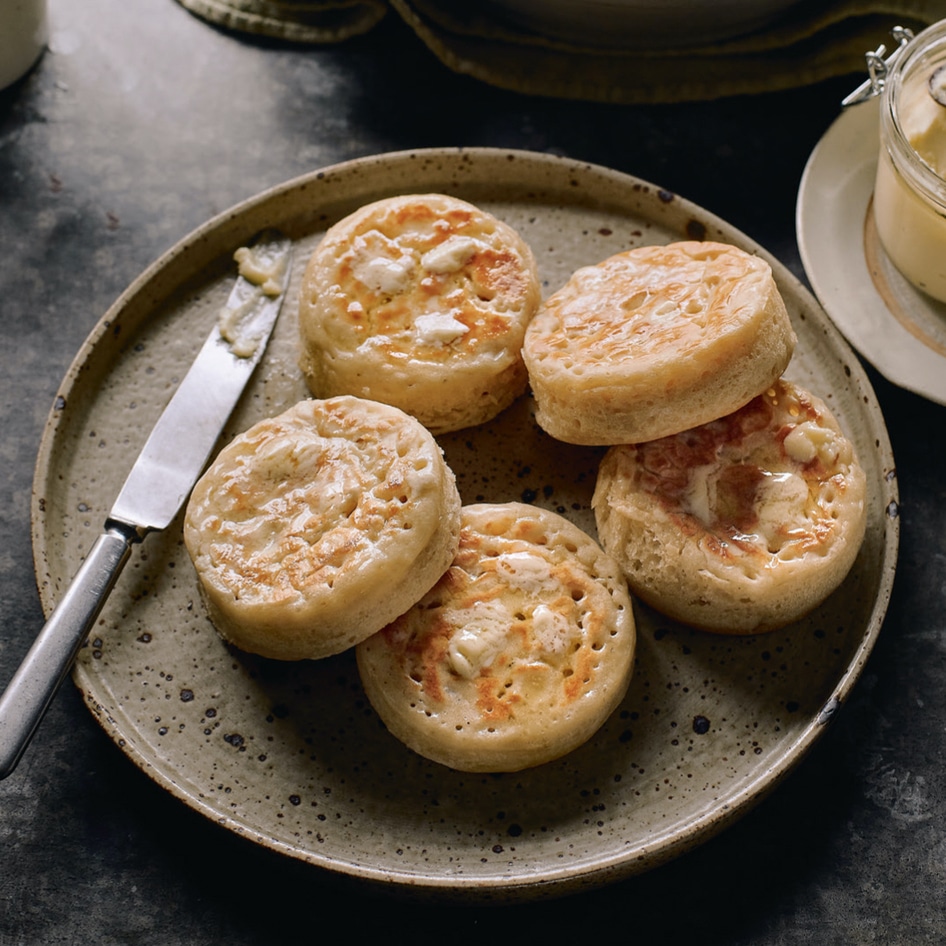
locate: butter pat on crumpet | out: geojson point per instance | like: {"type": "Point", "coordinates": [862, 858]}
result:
{"type": "Point", "coordinates": [516, 656]}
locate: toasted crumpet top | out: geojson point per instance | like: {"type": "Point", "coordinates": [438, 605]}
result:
{"type": "Point", "coordinates": [315, 521]}
{"type": "Point", "coordinates": [649, 306]}
{"type": "Point", "coordinates": [656, 340]}
{"type": "Point", "coordinates": [417, 297]}
{"type": "Point", "coordinates": [516, 656]}
{"type": "Point", "coordinates": [763, 509]}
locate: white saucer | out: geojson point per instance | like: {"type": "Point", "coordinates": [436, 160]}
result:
{"type": "Point", "coordinates": [898, 329]}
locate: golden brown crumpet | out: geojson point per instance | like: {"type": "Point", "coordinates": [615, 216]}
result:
{"type": "Point", "coordinates": [656, 340]}
{"type": "Point", "coordinates": [516, 656]}
{"type": "Point", "coordinates": [742, 525]}
{"type": "Point", "coordinates": [316, 528]}
{"type": "Point", "coordinates": [420, 301]}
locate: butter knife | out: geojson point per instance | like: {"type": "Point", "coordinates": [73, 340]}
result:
{"type": "Point", "coordinates": [173, 457]}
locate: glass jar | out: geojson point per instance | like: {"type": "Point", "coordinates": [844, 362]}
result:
{"type": "Point", "coordinates": [910, 192]}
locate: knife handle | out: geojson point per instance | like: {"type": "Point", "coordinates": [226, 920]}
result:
{"type": "Point", "coordinates": [48, 661]}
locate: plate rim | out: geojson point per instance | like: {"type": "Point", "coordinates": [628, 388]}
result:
{"type": "Point", "coordinates": [241, 218]}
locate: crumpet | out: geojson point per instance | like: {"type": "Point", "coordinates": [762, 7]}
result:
{"type": "Point", "coordinates": [420, 301]}
{"type": "Point", "coordinates": [314, 529]}
{"type": "Point", "coordinates": [516, 656]}
{"type": "Point", "coordinates": [742, 525]}
{"type": "Point", "coordinates": [656, 340]}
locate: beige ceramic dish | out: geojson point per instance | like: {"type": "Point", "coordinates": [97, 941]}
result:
{"type": "Point", "coordinates": [290, 755]}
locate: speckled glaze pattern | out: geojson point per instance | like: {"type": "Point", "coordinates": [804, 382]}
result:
{"type": "Point", "coordinates": [291, 755]}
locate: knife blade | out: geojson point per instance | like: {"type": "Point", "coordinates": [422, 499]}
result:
{"type": "Point", "coordinates": [158, 484]}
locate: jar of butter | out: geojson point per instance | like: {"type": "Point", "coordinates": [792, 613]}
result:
{"type": "Point", "coordinates": [910, 188]}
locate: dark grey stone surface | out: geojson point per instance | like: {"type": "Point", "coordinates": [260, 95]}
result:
{"type": "Point", "coordinates": [138, 124]}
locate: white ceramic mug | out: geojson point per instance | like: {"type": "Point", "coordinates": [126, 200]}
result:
{"type": "Point", "coordinates": [23, 34]}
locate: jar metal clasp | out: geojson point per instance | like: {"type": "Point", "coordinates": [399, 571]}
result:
{"type": "Point", "coordinates": [878, 67]}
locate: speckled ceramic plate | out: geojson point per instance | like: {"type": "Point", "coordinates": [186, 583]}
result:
{"type": "Point", "coordinates": [290, 755]}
